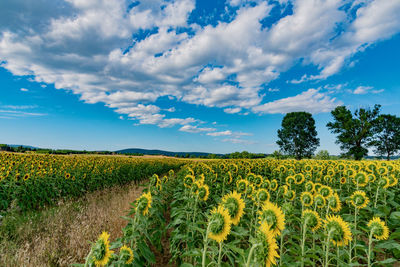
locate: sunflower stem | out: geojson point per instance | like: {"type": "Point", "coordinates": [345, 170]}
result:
{"type": "Point", "coordinates": [88, 258]}
{"type": "Point", "coordinates": [337, 256]}
{"type": "Point", "coordinates": [220, 254]}
{"type": "Point", "coordinates": [205, 242]}
{"type": "Point", "coordinates": [376, 196]}
{"type": "Point", "coordinates": [355, 232]}
{"type": "Point", "coordinates": [369, 248]}
{"type": "Point", "coordinates": [251, 254]}
{"type": "Point", "coordinates": [327, 249]}
{"type": "Point", "coordinates": [304, 228]}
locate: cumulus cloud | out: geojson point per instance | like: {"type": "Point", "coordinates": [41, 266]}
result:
{"type": "Point", "coordinates": [362, 90]}
{"type": "Point", "coordinates": [232, 110]}
{"type": "Point", "coordinates": [311, 100]}
{"type": "Point", "coordinates": [223, 133]}
{"type": "Point", "coordinates": [195, 129]}
{"type": "Point", "coordinates": [128, 56]}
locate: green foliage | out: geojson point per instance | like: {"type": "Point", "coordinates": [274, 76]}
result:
{"type": "Point", "coordinates": [298, 136]}
{"type": "Point", "coordinates": [387, 137]}
{"type": "Point", "coordinates": [322, 154]}
{"type": "Point", "coordinates": [354, 131]}
{"type": "Point", "coordinates": [29, 182]}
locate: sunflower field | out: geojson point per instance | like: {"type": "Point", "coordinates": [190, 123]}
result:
{"type": "Point", "coordinates": [33, 181]}
{"type": "Point", "coordinates": [262, 212]}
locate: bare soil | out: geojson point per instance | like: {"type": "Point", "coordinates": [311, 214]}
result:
{"type": "Point", "coordinates": [61, 236]}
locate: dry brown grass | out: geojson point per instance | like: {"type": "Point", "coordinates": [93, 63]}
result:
{"type": "Point", "coordinates": [61, 235]}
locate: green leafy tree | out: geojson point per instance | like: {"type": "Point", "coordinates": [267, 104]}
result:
{"type": "Point", "coordinates": [354, 131]}
{"type": "Point", "coordinates": [298, 136]}
{"type": "Point", "coordinates": [277, 154]}
{"type": "Point", "coordinates": [387, 136]}
{"type": "Point", "coordinates": [322, 154]}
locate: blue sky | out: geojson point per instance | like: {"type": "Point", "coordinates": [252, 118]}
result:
{"type": "Point", "coordinates": [185, 75]}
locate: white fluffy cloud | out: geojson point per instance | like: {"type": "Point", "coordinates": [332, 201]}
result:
{"type": "Point", "coordinates": [195, 129]}
{"type": "Point", "coordinates": [362, 90]}
{"type": "Point", "coordinates": [223, 133]}
{"type": "Point", "coordinates": [128, 57]}
{"type": "Point", "coordinates": [311, 100]}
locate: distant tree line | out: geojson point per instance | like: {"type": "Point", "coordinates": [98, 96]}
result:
{"type": "Point", "coordinates": [23, 149]}
{"type": "Point", "coordinates": [355, 133]}
{"type": "Point", "coordinates": [235, 155]}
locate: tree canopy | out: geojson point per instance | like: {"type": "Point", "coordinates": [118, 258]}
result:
{"type": "Point", "coordinates": [355, 132]}
{"type": "Point", "coordinates": [298, 136]}
{"type": "Point", "coordinates": [387, 136]}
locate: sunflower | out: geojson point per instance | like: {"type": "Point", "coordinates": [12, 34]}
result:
{"type": "Point", "coordinates": [290, 180]}
{"type": "Point", "coordinates": [334, 203]}
{"type": "Point", "coordinates": [126, 254]}
{"type": "Point", "coordinates": [308, 168]}
{"type": "Point", "coordinates": [195, 187]}
{"type": "Point", "coordinates": [101, 252]}
{"type": "Point", "coordinates": [258, 180]}
{"type": "Point", "coordinates": [241, 185]}
{"type": "Point", "coordinates": [330, 172]}
{"type": "Point", "coordinates": [250, 190]}
{"type": "Point", "coordinates": [340, 167]}
{"type": "Point", "coordinates": [359, 199]}
{"type": "Point", "coordinates": [220, 224]}
{"type": "Point", "coordinates": [188, 181]}
{"type": "Point", "coordinates": [26, 176]}
{"type": "Point", "coordinates": [190, 170]}
{"type": "Point", "coordinates": [154, 180]}
{"type": "Point", "coordinates": [392, 180]}
{"type": "Point", "coordinates": [262, 195]}
{"type": "Point", "coordinates": [307, 199]}
{"type": "Point", "coordinates": [283, 189]}
{"type": "Point", "coordinates": [266, 184]}
{"type": "Point", "coordinates": [378, 228]}
{"type": "Point", "coordinates": [317, 186]}
{"type": "Point", "coordinates": [382, 170]}
{"type": "Point", "coordinates": [325, 191]}
{"type": "Point", "coordinates": [235, 206]}
{"type": "Point", "coordinates": [312, 219]}
{"type": "Point", "coordinates": [350, 172]}
{"type": "Point", "coordinates": [361, 179]}
{"type": "Point", "coordinates": [144, 203]}
{"type": "Point", "coordinates": [309, 186]}
{"type": "Point", "coordinates": [327, 178]}
{"type": "Point", "coordinates": [201, 178]}
{"type": "Point", "coordinates": [384, 182]}
{"type": "Point", "coordinates": [371, 177]}
{"type": "Point", "coordinates": [339, 230]}
{"type": "Point", "coordinates": [282, 168]}
{"type": "Point", "coordinates": [273, 215]}
{"type": "Point", "coordinates": [274, 185]}
{"type": "Point", "coordinates": [319, 201]}
{"type": "Point", "coordinates": [371, 167]}
{"type": "Point", "coordinates": [203, 192]}
{"type": "Point", "coordinates": [250, 177]}
{"type": "Point", "coordinates": [229, 177]}
{"type": "Point", "coordinates": [266, 251]}
{"type": "Point", "coordinates": [343, 180]}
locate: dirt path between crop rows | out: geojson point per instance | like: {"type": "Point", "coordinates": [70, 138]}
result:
{"type": "Point", "coordinates": [60, 236]}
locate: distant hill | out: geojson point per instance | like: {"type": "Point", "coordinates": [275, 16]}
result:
{"type": "Point", "coordinates": [162, 152]}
